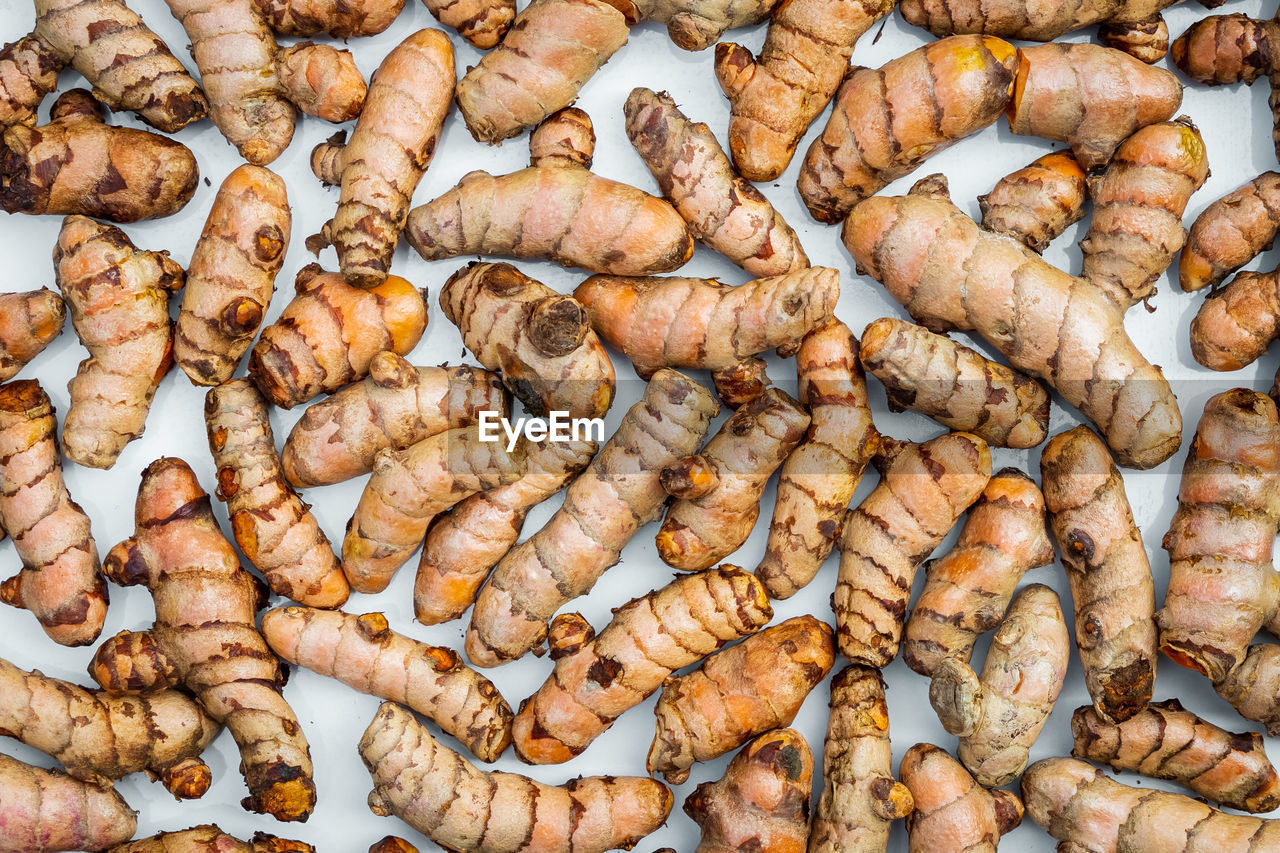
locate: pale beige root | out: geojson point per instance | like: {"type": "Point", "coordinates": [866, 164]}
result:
{"type": "Point", "coordinates": [726, 212]}
{"type": "Point", "coordinates": [1090, 97]}
{"type": "Point", "coordinates": [60, 581]}
{"type": "Point", "coordinates": [968, 590]}
{"type": "Point", "coordinates": [44, 811]}
{"type": "Point", "coordinates": [598, 678]}
{"type": "Point", "coordinates": [954, 814]}
{"type": "Point", "coordinates": [1230, 232]}
{"type": "Point", "coordinates": [392, 844]}
{"type": "Point", "coordinates": [100, 738]}
{"type": "Point", "coordinates": [718, 489]}
{"type": "Point", "coordinates": [232, 274]}
{"type": "Point", "coordinates": [618, 493]}
{"type": "Point", "coordinates": [1253, 687]}
{"type": "Point", "coordinates": [397, 405]}
{"type": "Point", "coordinates": [697, 322]}
{"type": "Point", "coordinates": [210, 839]}
{"type": "Point", "coordinates": [1138, 202]}
{"type": "Point", "coordinates": [322, 81]}
{"type": "Point", "coordinates": [342, 19]}
{"type": "Point", "coordinates": [79, 164]}
{"type": "Point", "coordinates": [551, 51]}
{"type": "Point", "coordinates": [364, 653]}
{"type": "Point", "coordinates": [762, 802]}
{"type": "Point", "coordinates": [1236, 324]}
{"type": "Point", "coordinates": [950, 274]}
{"type": "Point", "coordinates": [273, 527]}
{"type": "Point", "coordinates": [464, 544]}
{"type": "Point", "coordinates": [1087, 811]}
{"type": "Point", "coordinates": [483, 23]}
{"type": "Point", "coordinates": [557, 210]}
{"type": "Point", "coordinates": [1222, 585]}
{"type": "Point", "coordinates": [205, 608]}
{"type": "Point", "coordinates": [119, 301]}
{"type": "Point", "coordinates": [539, 341]}
{"type": "Point", "coordinates": [1111, 584]}
{"type": "Point", "coordinates": [29, 322]}
{"type": "Point", "coordinates": [28, 72]}
{"type": "Point", "coordinates": [409, 487]}
{"type": "Point", "coordinates": [440, 794]}
{"type": "Point", "coordinates": [736, 694]}
{"type": "Point", "coordinates": [1036, 203]}
{"type": "Point", "coordinates": [1147, 40]}
{"type": "Point", "coordinates": [955, 385]}
{"type": "Point", "coordinates": [330, 334]}
{"type": "Point", "coordinates": [1166, 741]}
{"type": "Point", "coordinates": [128, 65]}
{"type": "Point", "coordinates": [887, 121]}
{"type": "Point", "coordinates": [819, 478]}
{"type": "Point", "coordinates": [860, 798]}
{"type": "Point", "coordinates": [775, 96]}
{"type": "Point", "coordinates": [390, 149]}
{"type": "Point", "coordinates": [922, 493]}
{"type": "Point", "coordinates": [999, 714]}
{"type": "Point", "coordinates": [697, 24]}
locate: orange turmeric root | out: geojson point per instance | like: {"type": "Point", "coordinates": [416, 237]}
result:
{"type": "Point", "coordinates": [483, 23]}
{"type": "Point", "coordinates": [210, 839]}
{"type": "Point", "coordinates": [438, 793]}
{"type": "Point", "coordinates": [1236, 324]}
{"type": "Point", "coordinates": [28, 72]}
{"type": "Point", "coordinates": [1036, 203]}
{"type": "Point", "coordinates": [1231, 232]}
{"type": "Point", "coordinates": [29, 322]}
{"type": "Point", "coordinates": [60, 581]}
{"type": "Point", "coordinates": [342, 19]}
{"type": "Point", "coordinates": [762, 803]}
{"type": "Point", "coordinates": [43, 811]}
{"type": "Point", "coordinates": [967, 591]}
{"type": "Point", "coordinates": [392, 844]}
{"type": "Point", "coordinates": [923, 491]}
{"type": "Point", "coordinates": [954, 814]}
{"type": "Point", "coordinates": [365, 654]}
{"type": "Point", "coordinates": [1253, 687]}
{"type": "Point", "coordinates": [599, 677]}
{"type": "Point", "coordinates": [330, 333]}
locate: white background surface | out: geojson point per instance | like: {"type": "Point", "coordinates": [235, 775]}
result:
{"type": "Point", "coordinates": [1235, 123]}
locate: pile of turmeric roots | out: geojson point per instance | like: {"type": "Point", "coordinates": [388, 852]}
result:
{"type": "Point", "coordinates": [442, 481]}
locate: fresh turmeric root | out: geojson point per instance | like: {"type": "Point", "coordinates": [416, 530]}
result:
{"type": "Point", "coordinates": [718, 489]}
{"type": "Point", "coordinates": [737, 694]}
{"type": "Point", "coordinates": [44, 811]}
{"type": "Point", "coordinates": [232, 274]}
{"type": "Point", "coordinates": [860, 799]}
{"type": "Point", "coordinates": [557, 209]}
{"type": "Point", "coordinates": [100, 738]}
{"type": "Point", "coordinates": [1036, 203]}
{"type": "Point", "coordinates": [551, 51]}
{"type": "Point", "coordinates": [438, 793]}
{"type": "Point", "coordinates": [1107, 567]}
{"type": "Point", "coordinates": [392, 844]}
{"type": "Point", "coordinates": [119, 301]}
{"type": "Point", "coordinates": [342, 19]}
{"type": "Point", "coordinates": [1231, 232]}
{"type": "Point", "coordinates": [1166, 741]}
{"type": "Point", "coordinates": [389, 151]}
{"type": "Point", "coordinates": [463, 545]}
{"type": "Point", "coordinates": [599, 677]}
{"type": "Point", "coordinates": [1087, 811]}
{"type": "Point", "coordinates": [568, 555]}
{"type": "Point", "coordinates": [1092, 98]}
{"type": "Point", "coordinates": [888, 121]}
{"type": "Point", "coordinates": [1222, 586]}
{"type": "Point", "coordinates": [29, 322]}
{"type": "Point", "coordinates": [271, 524]}
{"type": "Point", "coordinates": [999, 714]}
{"type": "Point", "coordinates": [330, 334]}
{"type": "Point", "coordinates": [967, 591]}
{"type": "Point", "coordinates": [205, 607]}
{"type": "Point", "coordinates": [820, 476]}
{"type": "Point", "coordinates": [775, 96]}
{"type": "Point", "coordinates": [210, 839]}
{"type": "Point", "coordinates": [696, 322]}
{"type": "Point", "coordinates": [922, 492]}
{"type": "Point", "coordinates": [540, 341]}
{"type": "Point", "coordinates": [59, 168]}
{"type": "Point", "coordinates": [762, 802]}
{"type": "Point", "coordinates": [1079, 347]}
{"type": "Point", "coordinates": [724, 211]}
{"type": "Point", "coordinates": [955, 385]}
{"type": "Point", "coordinates": [697, 24]}
{"type": "Point", "coordinates": [1236, 324]}
{"type": "Point", "coordinates": [128, 65]}
{"type": "Point", "coordinates": [60, 582]}
{"type": "Point", "coordinates": [483, 23]}
{"type": "Point", "coordinates": [954, 814]}
{"type": "Point", "coordinates": [364, 653]}
{"type": "Point", "coordinates": [1253, 687]}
